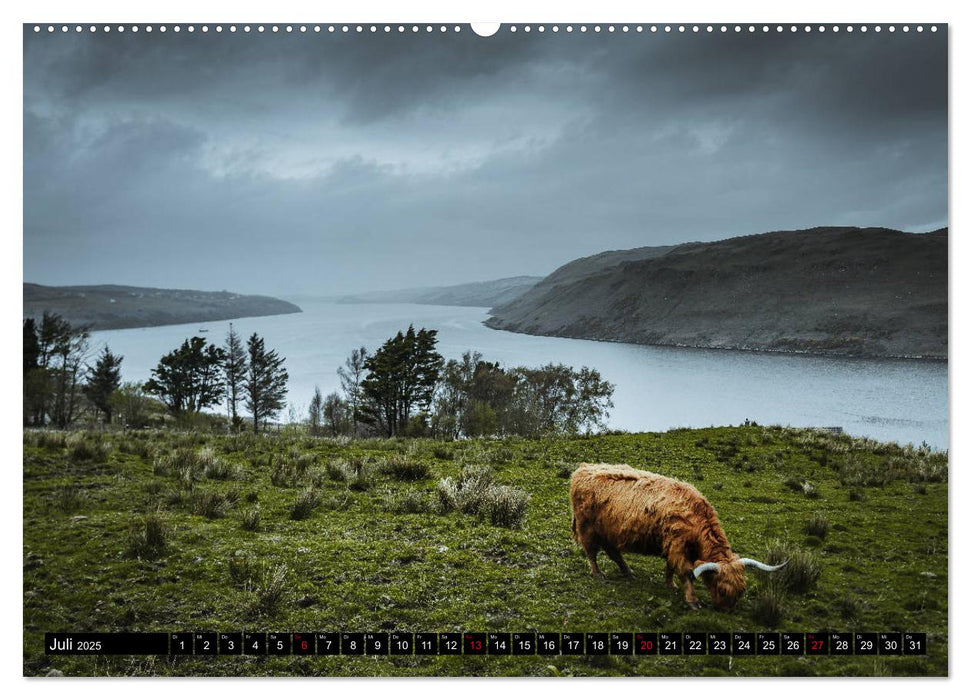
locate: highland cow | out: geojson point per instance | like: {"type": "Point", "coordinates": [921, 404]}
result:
{"type": "Point", "coordinates": [620, 509]}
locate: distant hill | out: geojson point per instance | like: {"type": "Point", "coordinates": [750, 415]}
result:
{"type": "Point", "coordinates": [109, 306]}
{"type": "Point", "coordinates": [488, 294]}
{"type": "Point", "coordinates": [835, 290]}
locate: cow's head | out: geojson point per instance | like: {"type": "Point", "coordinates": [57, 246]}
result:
{"type": "Point", "coordinates": [725, 580]}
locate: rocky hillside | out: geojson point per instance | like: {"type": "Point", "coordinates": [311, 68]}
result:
{"type": "Point", "coordinates": [109, 306]}
{"type": "Point", "coordinates": [834, 290]}
{"type": "Point", "coordinates": [491, 293]}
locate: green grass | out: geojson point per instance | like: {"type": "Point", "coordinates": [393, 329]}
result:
{"type": "Point", "coordinates": [138, 537]}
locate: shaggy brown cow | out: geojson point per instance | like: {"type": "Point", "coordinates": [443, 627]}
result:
{"type": "Point", "coordinates": [620, 509]}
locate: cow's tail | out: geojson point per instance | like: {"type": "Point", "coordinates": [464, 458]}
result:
{"type": "Point", "coordinates": [573, 527]}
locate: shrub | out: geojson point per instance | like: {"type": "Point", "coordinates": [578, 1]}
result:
{"type": "Point", "coordinates": [253, 497]}
{"type": "Point", "coordinates": [148, 539]}
{"type": "Point", "coordinates": [405, 468]}
{"type": "Point", "coordinates": [251, 519]}
{"type": "Point", "coordinates": [857, 494]}
{"type": "Point", "coordinates": [767, 606]}
{"type": "Point", "coordinates": [817, 526]}
{"type": "Point", "coordinates": [475, 493]}
{"type": "Point", "coordinates": [360, 478]}
{"type": "Point", "coordinates": [210, 504]}
{"type": "Point", "coordinates": [284, 472]}
{"type": "Point", "coordinates": [305, 504]}
{"type": "Point", "coordinates": [505, 506]}
{"type": "Point", "coordinates": [793, 483]}
{"type": "Point", "coordinates": [338, 469]}
{"type": "Point", "coordinates": [809, 490]}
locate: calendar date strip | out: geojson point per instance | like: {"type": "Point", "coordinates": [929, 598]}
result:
{"type": "Point", "coordinates": [486, 643]}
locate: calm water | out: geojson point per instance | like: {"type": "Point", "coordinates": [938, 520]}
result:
{"type": "Point", "coordinates": [657, 388]}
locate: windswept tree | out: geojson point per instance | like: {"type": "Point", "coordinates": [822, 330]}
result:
{"type": "Point", "coordinates": [235, 368]}
{"type": "Point", "coordinates": [190, 378]}
{"type": "Point", "coordinates": [351, 376]}
{"type": "Point", "coordinates": [104, 378]}
{"type": "Point", "coordinates": [266, 381]}
{"type": "Point", "coordinates": [401, 379]}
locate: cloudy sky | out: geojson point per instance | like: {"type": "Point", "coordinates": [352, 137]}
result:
{"type": "Point", "coordinates": [322, 163]}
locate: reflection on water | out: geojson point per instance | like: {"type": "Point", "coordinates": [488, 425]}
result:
{"type": "Point", "coordinates": [657, 388]}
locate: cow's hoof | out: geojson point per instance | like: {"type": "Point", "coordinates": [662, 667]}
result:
{"type": "Point", "coordinates": [628, 574]}
{"type": "Point", "coordinates": [694, 604]}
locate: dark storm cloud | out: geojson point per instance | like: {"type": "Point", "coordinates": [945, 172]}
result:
{"type": "Point", "coordinates": [319, 163]}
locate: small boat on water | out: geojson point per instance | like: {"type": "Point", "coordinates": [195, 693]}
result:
{"type": "Point", "coordinates": [203, 330]}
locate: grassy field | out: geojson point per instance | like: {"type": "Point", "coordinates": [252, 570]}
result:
{"type": "Point", "coordinates": [192, 532]}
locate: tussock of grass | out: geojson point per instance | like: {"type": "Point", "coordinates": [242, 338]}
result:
{"type": "Point", "coordinates": [404, 468]}
{"type": "Point", "coordinates": [817, 526]}
{"type": "Point", "coordinates": [271, 589]}
{"type": "Point", "coordinates": [81, 448]}
{"type": "Point", "coordinates": [209, 504]}
{"type": "Point", "coordinates": [251, 519]}
{"type": "Point", "coordinates": [219, 469]}
{"type": "Point", "coordinates": [148, 538]}
{"type": "Point", "coordinates": [244, 571]}
{"type": "Point", "coordinates": [411, 502]}
{"type": "Point", "coordinates": [304, 506]}
{"type": "Point", "coordinates": [68, 498]}
{"type": "Point", "coordinates": [768, 607]}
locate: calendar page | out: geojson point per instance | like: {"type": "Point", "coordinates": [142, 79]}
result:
{"type": "Point", "coordinates": [546, 349]}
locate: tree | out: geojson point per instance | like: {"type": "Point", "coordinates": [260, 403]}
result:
{"type": "Point", "coordinates": [351, 376]}
{"type": "Point", "coordinates": [190, 378]}
{"type": "Point", "coordinates": [316, 412]}
{"type": "Point", "coordinates": [235, 368]}
{"type": "Point", "coordinates": [401, 378]}
{"type": "Point", "coordinates": [53, 356]}
{"type": "Point", "coordinates": [103, 379]}
{"type": "Point", "coordinates": [337, 415]}
{"type": "Point", "coordinates": [31, 346]}
{"type": "Point", "coordinates": [266, 381]}
{"type": "Point", "coordinates": [132, 406]}
{"type": "Point", "coordinates": [35, 380]}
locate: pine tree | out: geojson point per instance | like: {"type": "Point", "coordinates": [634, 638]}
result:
{"type": "Point", "coordinates": [103, 379]}
{"type": "Point", "coordinates": [266, 381]}
{"type": "Point", "coordinates": [402, 375]}
{"type": "Point", "coordinates": [235, 369]}
{"type": "Point", "coordinates": [189, 378]}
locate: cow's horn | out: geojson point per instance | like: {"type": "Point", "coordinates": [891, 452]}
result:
{"type": "Point", "coordinates": [764, 567]}
{"type": "Point", "coordinates": [707, 566]}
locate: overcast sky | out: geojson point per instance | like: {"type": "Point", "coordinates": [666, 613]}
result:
{"type": "Point", "coordinates": [322, 163]}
